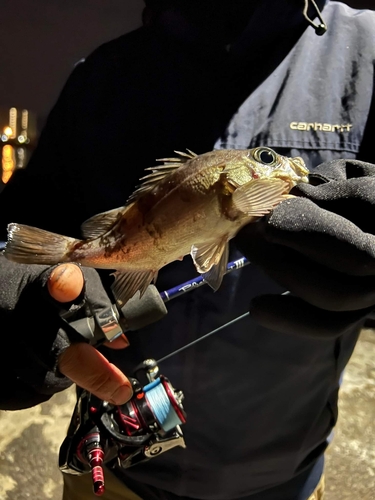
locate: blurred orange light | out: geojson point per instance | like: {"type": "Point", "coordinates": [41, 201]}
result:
{"type": "Point", "coordinates": [8, 163]}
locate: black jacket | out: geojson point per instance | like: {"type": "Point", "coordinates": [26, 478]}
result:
{"type": "Point", "coordinates": [260, 404]}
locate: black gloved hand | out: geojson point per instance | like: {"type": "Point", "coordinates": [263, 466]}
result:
{"type": "Point", "coordinates": [321, 247]}
{"type": "Point", "coordinates": [35, 330]}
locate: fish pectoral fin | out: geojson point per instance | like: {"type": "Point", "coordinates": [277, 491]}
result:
{"type": "Point", "coordinates": [207, 255]}
{"type": "Point", "coordinates": [214, 276]}
{"type": "Point", "coordinates": [101, 223]}
{"type": "Point", "coordinates": [128, 283]}
{"type": "Point", "coordinates": [259, 197]}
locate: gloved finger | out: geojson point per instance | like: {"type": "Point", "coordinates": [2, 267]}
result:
{"type": "Point", "coordinates": [89, 369]}
{"type": "Point", "coordinates": [66, 282]}
{"type": "Point", "coordinates": [315, 283]}
{"type": "Point", "coordinates": [95, 292]}
{"type": "Point", "coordinates": [343, 169]}
{"type": "Point", "coordinates": [93, 316]}
{"type": "Point", "coordinates": [292, 315]}
{"type": "Point", "coordinates": [102, 309]}
{"type": "Point", "coordinates": [320, 235]}
{"type": "Point", "coordinates": [353, 199]}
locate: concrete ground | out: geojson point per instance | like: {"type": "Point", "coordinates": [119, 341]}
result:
{"type": "Point", "coordinates": [30, 439]}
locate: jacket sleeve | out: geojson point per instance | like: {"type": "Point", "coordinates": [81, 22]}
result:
{"type": "Point", "coordinates": [30, 332]}
{"type": "Point", "coordinates": [366, 150]}
{"type": "Point", "coordinates": [32, 337]}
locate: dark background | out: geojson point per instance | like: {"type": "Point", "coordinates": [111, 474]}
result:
{"type": "Point", "coordinates": [40, 40]}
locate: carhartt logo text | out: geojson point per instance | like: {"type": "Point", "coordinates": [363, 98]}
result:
{"type": "Point", "coordinates": [325, 127]}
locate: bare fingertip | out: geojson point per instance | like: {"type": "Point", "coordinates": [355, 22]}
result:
{"type": "Point", "coordinates": [121, 395]}
{"type": "Point", "coordinates": [65, 282]}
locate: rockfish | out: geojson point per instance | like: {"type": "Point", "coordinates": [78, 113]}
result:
{"type": "Point", "coordinates": [190, 204]}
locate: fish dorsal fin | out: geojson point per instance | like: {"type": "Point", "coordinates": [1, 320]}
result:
{"type": "Point", "coordinates": [127, 284]}
{"type": "Point", "coordinates": [214, 276]}
{"type": "Point", "coordinates": [160, 172]}
{"type": "Point", "coordinates": [259, 196]}
{"type": "Point", "coordinates": [101, 223]}
{"type": "Point", "coordinates": [208, 254]}
{"type": "Point", "coordinates": [189, 155]}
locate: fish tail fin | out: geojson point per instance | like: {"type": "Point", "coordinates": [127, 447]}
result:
{"type": "Point", "coordinates": [30, 245]}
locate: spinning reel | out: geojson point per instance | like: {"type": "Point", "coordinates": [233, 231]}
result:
{"type": "Point", "coordinates": [144, 427]}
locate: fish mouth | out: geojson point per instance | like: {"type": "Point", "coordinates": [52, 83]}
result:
{"type": "Point", "coordinates": [299, 164]}
{"type": "Point", "coordinates": [293, 175]}
{"type": "Point", "coordinates": [302, 177]}
{"type": "Point", "coordinates": [301, 172]}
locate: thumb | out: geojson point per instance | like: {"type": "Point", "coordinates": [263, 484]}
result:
{"type": "Point", "coordinates": [89, 369]}
{"type": "Point", "coordinates": [65, 282]}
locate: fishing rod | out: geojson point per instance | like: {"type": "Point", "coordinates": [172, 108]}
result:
{"type": "Point", "coordinates": [137, 315]}
{"type": "Point", "coordinates": [139, 312]}
{"type": "Point", "coordinates": [194, 283]}
{"type": "Point", "coordinates": [149, 423]}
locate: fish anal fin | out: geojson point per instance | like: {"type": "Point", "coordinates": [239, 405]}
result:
{"type": "Point", "coordinates": [208, 254]}
{"type": "Point", "coordinates": [214, 276]}
{"type": "Point", "coordinates": [101, 223]}
{"type": "Point", "coordinates": [259, 196]}
{"type": "Point", "coordinates": [128, 283]}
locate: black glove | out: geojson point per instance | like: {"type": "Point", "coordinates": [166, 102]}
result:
{"type": "Point", "coordinates": [321, 247]}
{"type": "Point", "coordinates": [36, 329]}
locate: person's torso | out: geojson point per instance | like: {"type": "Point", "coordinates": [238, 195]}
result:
{"type": "Point", "coordinates": [259, 404]}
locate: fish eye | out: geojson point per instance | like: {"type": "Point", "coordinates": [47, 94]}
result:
{"type": "Point", "coordinates": [266, 156]}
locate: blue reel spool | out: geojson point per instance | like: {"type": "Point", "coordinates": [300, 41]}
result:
{"type": "Point", "coordinates": [160, 403]}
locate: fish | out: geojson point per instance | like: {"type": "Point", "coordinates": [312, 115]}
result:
{"type": "Point", "coordinates": [188, 204]}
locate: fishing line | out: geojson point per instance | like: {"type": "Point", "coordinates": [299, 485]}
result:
{"type": "Point", "coordinates": [180, 289]}
{"type": "Point", "coordinates": [183, 288]}
{"type": "Point", "coordinates": [203, 337]}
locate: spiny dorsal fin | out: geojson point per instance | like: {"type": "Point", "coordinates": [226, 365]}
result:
{"type": "Point", "coordinates": [188, 155]}
{"type": "Point", "coordinates": [101, 223]}
{"type": "Point", "coordinates": [159, 172]}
